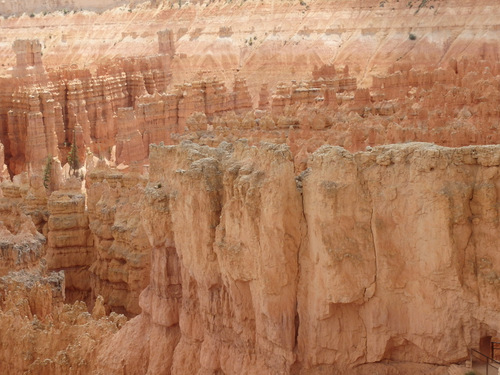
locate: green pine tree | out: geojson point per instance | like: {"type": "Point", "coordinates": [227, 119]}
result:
{"type": "Point", "coordinates": [47, 172]}
{"type": "Point", "coordinates": [73, 161]}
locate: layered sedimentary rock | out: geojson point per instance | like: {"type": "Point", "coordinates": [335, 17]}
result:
{"type": "Point", "coordinates": [28, 58]}
{"type": "Point", "coordinates": [20, 244]}
{"type": "Point", "coordinates": [166, 42]}
{"type": "Point", "coordinates": [69, 240]}
{"type": "Point", "coordinates": [23, 215]}
{"type": "Point", "coordinates": [32, 6]}
{"type": "Point", "coordinates": [53, 338]}
{"type": "Point", "coordinates": [120, 270]}
{"type": "Point", "coordinates": [129, 104]}
{"type": "Point", "coordinates": [301, 258]}
{"type": "Point", "coordinates": [42, 114]}
{"type": "Point", "coordinates": [364, 258]}
{"type": "Point", "coordinates": [249, 37]}
{"type": "Point", "coordinates": [374, 45]}
{"type": "Point", "coordinates": [4, 172]}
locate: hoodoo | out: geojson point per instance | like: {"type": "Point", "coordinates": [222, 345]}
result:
{"type": "Point", "coordinates": [227, 187]}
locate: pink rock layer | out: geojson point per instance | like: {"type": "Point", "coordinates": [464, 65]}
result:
{"type": "Point", "coordinates": [411, 57]}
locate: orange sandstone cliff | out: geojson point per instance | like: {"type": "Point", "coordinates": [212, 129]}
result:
{"type": "Point", "coordinates": [260, 187]}
{"type": "Point", "coordinates": [363, 259]}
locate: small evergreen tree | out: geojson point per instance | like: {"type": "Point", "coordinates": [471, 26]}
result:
{"type": "Point", "coordinates": [47, 172]}
{"type": "Point", "coordinates": [73, 161]}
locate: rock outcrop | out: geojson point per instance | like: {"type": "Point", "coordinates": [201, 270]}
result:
{"type": "Point", "coordinates": [129, 104]}
{"type": "Point", "coordinates": [28, 58]}
{"type": "Point", "coordinates": [324, 273]}
{"type": "Point", "coordinates": [70, 245]}
{"type": "Point", "coordinates": [41, 117]}
{"type": "Point", "coordinates": [54, 338]}
{"type": "Point", "coordinates": [388, 231]}
{"type": "Point", "coordinates": [224, 299]}
{"type": "Point", "coordinates": [399, 96]}
{"type": "Point", "coordinates": [269, 231]}
{"type": "Point", "coordinates": [47, 6]}
{"type": "Point", "coordinates": [166, 42]}
{"type": "Point", "coordinates": [120, 269]}
{"type": "Point", "coordinates": [4, 172]}
{"type": "Point", "coordinates": [22, 246]}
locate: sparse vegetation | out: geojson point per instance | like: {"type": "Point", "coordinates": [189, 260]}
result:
{"type": "Point", "coordinates": [47, 172]}
{"type": "Point", "coordinates": [73, 160]}
{"type": "Point", "coordinates": [32, 15]}
{"type": "Point", "coordinates": [412, 36]}
{"type": "Point", "coordinates": [470, 373]}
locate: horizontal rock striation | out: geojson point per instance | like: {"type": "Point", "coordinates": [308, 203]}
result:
{"type": "Point", "coordinates": [21, 245]}
{"type": "Point", "coordinates": [70, 245]}
{"type": "Point", "coordinates": [289, 252]}
{"type": "Point", "coordinates": [120, 269]}
{"type": "Point", "coordinates": [47, 6]}
{"type": "Point", "coordinates": [448, 97]}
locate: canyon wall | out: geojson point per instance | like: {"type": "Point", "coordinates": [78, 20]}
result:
{"type": "Point", "coordinates": [250, 37]}
{"type": "Point", "coordinates": [341, 73]}
{"type": "Point", "coordinates": [18, 7]}
{"type": "Point", "coordinates": [70, 245]}
{"type": "Point", "coordinates": [23, 218]}
{"type": "Point", "coordinates": [41, 335]}
{"type": "Point", "coordinates": [398, 237]}
{"type": "Point", "coordinates": [382, 260]}
{"type": "Point", "coordinates": [120, 267]}
{"type": "Point", "coordinates": [386, 256]}
{"type": "Point", "coordinates": [119, 111]}
{"type": "Point", "coordinates": [44, 113]}
{"type": "Point", "coordinates": [233, 198]}
{"type": "Point", "coordinates": [224, 300]}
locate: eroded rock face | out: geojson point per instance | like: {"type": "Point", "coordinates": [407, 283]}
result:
{"type": "Point", "coordinates": [367, 257]}
{"type": "Point", "coordinates": [397, 236]}
{"type": "Point", "coordinates": [70, 245]}
{"type": "Point", "coordinates": [42, 114]}
{"type": "Point", "coordinates": [121, 268]}
{"type": "Point", "coordinates": [225, 298]}
{"type": "Point", "coordinates": [54, 338]}
{"type": "Point", "coordinates": [377, 90]}
{"type": "Point", "coordinates": [30, 6]}
{"type": "Point", "coordinates": [21, 245]}
{"type": "Point", "coordinates": [297, 259]}
{"type": "Point", "coordinates": [362, 258]}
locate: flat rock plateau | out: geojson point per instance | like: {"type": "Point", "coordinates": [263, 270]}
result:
{"type": "Point", "coordinates": [232, 187]}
